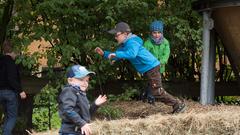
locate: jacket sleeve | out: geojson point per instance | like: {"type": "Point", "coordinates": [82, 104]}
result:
{"type": "Point", "coordinates": [93, 108]}
{"type": "Point", "coordinates": [166, 53]}
{"type": "Point", "coordinates": [68, 99]}
{"type": "Point", "coordinates": [13, 75]}
{"type": "Point", "coordinates": [148, 45]}
{"type": "Point", "coordinates": [129, 51]}
{"type": "Point", "coordinates": [106, 53]}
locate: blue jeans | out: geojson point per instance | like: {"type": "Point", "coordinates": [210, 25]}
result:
{"type": "Point", "coordinates": [9, 100]}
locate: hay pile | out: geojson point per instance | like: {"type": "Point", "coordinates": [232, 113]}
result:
{"type": "Point", "coordinates": [208, 120]}
{"type": "Point", "coordinates": [197, 120]}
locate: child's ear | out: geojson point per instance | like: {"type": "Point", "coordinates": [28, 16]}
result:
{"type": "Point", "coordinates": [69, 80]}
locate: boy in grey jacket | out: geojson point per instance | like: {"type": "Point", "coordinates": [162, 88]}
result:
{"type": "Point", "coordinates": [74, 108]}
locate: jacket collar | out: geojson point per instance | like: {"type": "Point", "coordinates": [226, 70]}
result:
{"type": "Point", "coordinates": [130, 35]}
{"type": "Point", "coordinates": [77, 88]}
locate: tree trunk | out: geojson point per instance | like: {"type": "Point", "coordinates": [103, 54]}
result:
{"type": "Point", "coordinates": [7, 14]}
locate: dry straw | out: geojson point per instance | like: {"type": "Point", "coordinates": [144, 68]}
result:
{"type": "Point", "coordinates": [222, 121]}
{"type": "Point", "coordinates": [197, 120]}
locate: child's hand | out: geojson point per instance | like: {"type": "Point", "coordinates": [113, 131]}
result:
{"type": "Point", "coordinates": [99, 51]}
{"type": "Point", "coordinates": [111, 55]}
{"type": "Point", "coordinates": [100, 100]}
{"type": "Point", "coordinates": [23, 95]}
{"type": "Point", "coordinates": [112, 62]}
{"type": "Point", "coordinates": [86, 129]}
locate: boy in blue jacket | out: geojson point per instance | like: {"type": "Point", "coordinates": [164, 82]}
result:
{"type": "Point", "coordinates": [74, 108]}
{"type": "Point", "coordinates": [131, 48]}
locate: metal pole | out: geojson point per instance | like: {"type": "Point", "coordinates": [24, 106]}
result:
{"type": "Point", "coordinates": [207, 26]}
{"type": "Point", "coordinates": [211, 71]}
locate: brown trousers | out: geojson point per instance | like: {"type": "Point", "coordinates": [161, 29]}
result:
{"type": "Point", "coordinates": [155, 85]}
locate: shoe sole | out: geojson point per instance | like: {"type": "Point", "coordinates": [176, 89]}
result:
{"type": "Point", "coordinates": [181, 111]}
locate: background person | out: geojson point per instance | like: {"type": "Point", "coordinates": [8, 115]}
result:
{"type": "Point", "coordinates": [159, 46]}
{"type": "Point", "coordinates": [10, 87]}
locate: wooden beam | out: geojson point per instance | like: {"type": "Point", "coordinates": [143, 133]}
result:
{"type": "Point", "coordinates": [177, 88]}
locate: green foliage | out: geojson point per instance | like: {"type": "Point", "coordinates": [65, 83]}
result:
{"type": "Point", "coordinates": [45, 113]}
{"type": "Point", "coordinates": [232, 100]}
{"type": "Point", "coordinates": [29, 62]}
{"type": "Point", "coordinates": [47, 96]}
{"type": "Point", "coordinates": [128, 95]}
{"type": "Point", "coordinates": [41, 119]}
{"type": "Point", "coordinates": [110, 112]}
{"type": "Point", "coordinates": [74, 28]}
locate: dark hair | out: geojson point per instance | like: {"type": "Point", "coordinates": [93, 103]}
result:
{"type": "Point", "coordinates": [7, 46]}
{"type": "Point", "coordinates": [128, 32]}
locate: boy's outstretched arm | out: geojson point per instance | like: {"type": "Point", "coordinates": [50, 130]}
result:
{"type": "Point", "coordinates": [99, 101]}
{"type": "Point", "coordinates": [105, 54]}
{"type": "Point", "coordinates": [99, 51]}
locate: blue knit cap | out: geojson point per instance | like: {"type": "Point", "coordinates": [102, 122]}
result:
{"type": "Point", "coordinates": [156, 26]}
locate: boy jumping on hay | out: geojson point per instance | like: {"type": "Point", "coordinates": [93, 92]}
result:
{"type": "Point", "coordinates": [131, 48]}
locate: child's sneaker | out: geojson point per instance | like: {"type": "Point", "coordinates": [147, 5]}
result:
{"type": "Point", "coordinates": [179, 108]}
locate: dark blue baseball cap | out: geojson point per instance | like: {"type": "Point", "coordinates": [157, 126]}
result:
{"type": "Point", "coordinates": [78, 71]}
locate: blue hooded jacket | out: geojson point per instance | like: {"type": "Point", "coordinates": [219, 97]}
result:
{"type": "Point", "coordinates": [132, 49]}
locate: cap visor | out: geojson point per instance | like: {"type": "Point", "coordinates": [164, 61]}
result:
{"type": "Point", "coordinates": [112, 31]}
{"type": "Point", "coordinates": [84, 75]}
{"type": "Point", "coordinates": [91, 73]}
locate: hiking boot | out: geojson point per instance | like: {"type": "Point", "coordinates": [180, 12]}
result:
{"type": "Point", "coordinates": [179, 108]}
{"type": "Point", "coordinates": [144, 97]}
{"type": "Point", "coordinates": [151, 100]}
{"type": "Point", "coordinates": [147, 98]}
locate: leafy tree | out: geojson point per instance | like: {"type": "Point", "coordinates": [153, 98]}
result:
{"type": "Point", "coordinates": [75, 27]}
{"type": "Point", "coordinates": [6, 9]}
